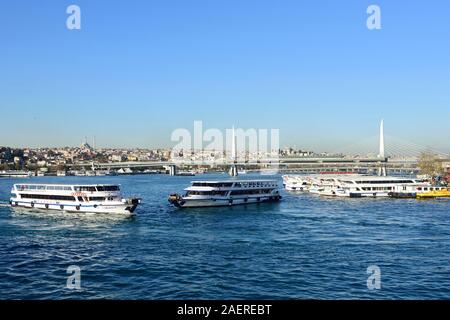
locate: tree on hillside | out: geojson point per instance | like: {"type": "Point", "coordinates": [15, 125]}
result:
{"type": "Point", "coordinates": [430, 164]}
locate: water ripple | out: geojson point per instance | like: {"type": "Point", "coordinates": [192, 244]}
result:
{"type": "Point", "coordinates": [305, 247]}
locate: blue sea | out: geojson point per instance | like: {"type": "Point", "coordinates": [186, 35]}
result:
{"type": "Point", "coordinates": [305, 247]}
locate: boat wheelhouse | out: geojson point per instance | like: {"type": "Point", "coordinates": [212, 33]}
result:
{"type": "Point", "coordinates": [72, 198]}
{"type": "Point", "coordinates": [226, 193]}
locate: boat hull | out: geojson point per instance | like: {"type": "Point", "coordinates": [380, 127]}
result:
{"type": "Point", "coordinates": [403, 195]}
{"type": "Point", "coordinates": [122, 208]}
{"type": "Point", "coordinates": [199, 203]}
{"type": "Point", "coordinates": [434, 194]}
{"type": "Point", "coordinates": [296, 188]}
{"type": "Point", "coordinates": [368, 194]}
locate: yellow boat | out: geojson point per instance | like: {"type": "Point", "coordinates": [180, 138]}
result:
{"type": "Point", "coordinates": [440, 193]}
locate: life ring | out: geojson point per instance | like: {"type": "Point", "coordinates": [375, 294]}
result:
{"type": "Point", "coordinates": [62, 207]}
{"type": "Point", "coordinates": [78, 208]}
{"type": "Point", "coordinates": [32, 204]}
{"type": "Point", "coordinates": [46, 206]}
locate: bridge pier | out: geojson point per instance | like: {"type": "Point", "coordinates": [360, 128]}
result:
{"type": "Point", "coordinates": [382, 169]}
{"type": "Point", "coordinates": [173, 170]}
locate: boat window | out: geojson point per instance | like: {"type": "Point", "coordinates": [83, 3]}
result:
{"type": "Point", "coordinates": [108, 188]}
{"type": "Point", "coordinates": [59, 188]}
{"type": "Point", "coordinates": [250, 192]}
{"type": "Point", "coordinates": [97, 199]}
{"type": "Point", "coordinates": [47, 197]}
{"type": "Point", "coordinates": [214, 185]}
{"type": "Point", "coordinates": [85, 188]}
{"type": "Point", "coordinates": [383, 182]}
{"type": "Point", "coordinates": [206, 193]}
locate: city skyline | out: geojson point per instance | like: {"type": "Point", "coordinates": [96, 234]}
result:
{"type": "Point", "coordinates": [133, 74]}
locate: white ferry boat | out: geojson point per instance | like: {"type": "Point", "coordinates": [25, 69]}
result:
{"type": "Point", "coordinates": [296, 183]}
{"type": "Point", "coordinates": [373, 186]}
{"type": "Point", "coordinates": [226, 193]}
{"type": "Point", "coordinates": [61, 173]}
{"type": "Point", "coordinates": [124, 171]}
{"type": "Point", "coordinates": [422, 191]}
{"type": "Point", "coordinates": [15, 174]}
{"type": "Point", "coordinates": [316, 183]}
{"type": "Point", "coordinates": [72, 198]}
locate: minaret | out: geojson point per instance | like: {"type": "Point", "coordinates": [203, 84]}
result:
{"type": "Point", "coordinates": [233, 170]}
{"type": "Point", "coordinates": [382, 154]}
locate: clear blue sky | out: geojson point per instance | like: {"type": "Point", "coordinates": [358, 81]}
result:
{"type": "Point", "coordinates": [139, 69]}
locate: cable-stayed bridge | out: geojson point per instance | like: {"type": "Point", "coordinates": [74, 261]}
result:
{"type": "Point", "coordinates": [395, 148]}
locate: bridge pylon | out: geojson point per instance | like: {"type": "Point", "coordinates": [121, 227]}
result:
{"type": "Point", "coordinates": [382, 155]}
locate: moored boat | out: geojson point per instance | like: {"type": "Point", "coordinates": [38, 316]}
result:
{"type": "Point", "coordinates": [186, 174]}
{"type": "Point", "coordinates": [375, 186]}
{"type": "Point", "coordinates": [15, 174]}
{"type": "Point", "coordinates": [357, 186]}
{"type": "Point", "coordinates": [296, 183]}
{"type": "Point", "coordinates": [438, 192]}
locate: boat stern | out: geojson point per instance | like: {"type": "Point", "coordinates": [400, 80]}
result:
{"type": "Point", "coordinates": [132, 204]}
{"type": "Point", "coordinates": [176, 200]}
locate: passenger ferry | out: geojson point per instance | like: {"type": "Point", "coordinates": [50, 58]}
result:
{"type": "Point", "coordinates": [296, 183]}
{"type": "Point", "coordinates": [15, 174]}
{"type": "Point", "coordinates": [73, 198]}
{"type": "Point", "coordinates": [226, 193]}
{"type": "Point", "coordinates": [317, 183]}
{"type": "Point", "coordinates": [434, 193]}
{"type": "Point", "coordinates": [374, 186]}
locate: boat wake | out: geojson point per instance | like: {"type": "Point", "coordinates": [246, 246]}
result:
{"type": "Point", "coordinates": [4, 204]}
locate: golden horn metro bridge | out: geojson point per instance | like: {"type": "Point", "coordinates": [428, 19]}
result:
{"type": "Point", "coordinates": [405, 161]}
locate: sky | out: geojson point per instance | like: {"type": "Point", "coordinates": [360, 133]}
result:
{"type": "Point", "coordinates": [138, 70]}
